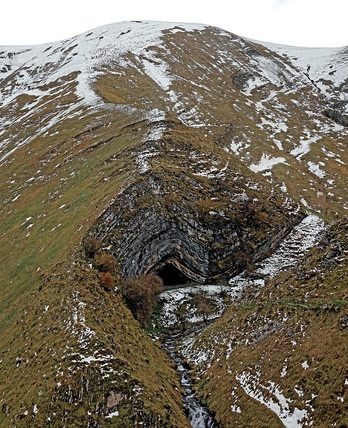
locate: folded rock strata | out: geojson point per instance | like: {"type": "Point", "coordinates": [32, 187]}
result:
{"type": "Point", "coordinates": [187, 224]}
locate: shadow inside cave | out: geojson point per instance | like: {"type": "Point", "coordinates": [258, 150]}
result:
{"type": "Point", "coordinates": [172, 276]}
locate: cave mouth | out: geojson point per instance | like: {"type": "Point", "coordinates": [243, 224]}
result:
{"type": "Point", "coordinates": [171, 275]}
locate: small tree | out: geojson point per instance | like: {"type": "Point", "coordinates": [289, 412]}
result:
{"type": "Point", "coordinates": [181, 314]}
{"type": "Point", "coordinates": [203, 309]}
{"type": "Point", "coordinates": [204, 306]}
{"type": "Point", "coordinates": [105, 262]}
{"type": "Point", "coordinates": [140, 295]}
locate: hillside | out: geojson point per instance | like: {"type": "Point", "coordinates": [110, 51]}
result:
{"type": "Point", "coordinates": [185, 151]}
{"type": "Point", "coordinates": [279, 356]}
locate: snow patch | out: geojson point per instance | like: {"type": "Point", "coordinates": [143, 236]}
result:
{"type": "Point", "coordinates": [266, 162]}
{"type": "Point", "coordinates": [305, 365]}
{"type": "Point", "coordinates": [112, 415]}
{"type": "Point", "coordinates": [291, 417]}
{"type": "Point", "coordinates": [154, 134]}
{"type": "Point", "coordinates": [172, 299]}
{"type": "Point", "coordinates": [301, 239]}
{"type": "Point", "coordinates": [284, 371]}
{"type": "Point", "coordinates": [235, 409]}
{"type": "Point", "coordinates": [304, 146]}
{"type": "Point", "coordinates": [315, 169]}
{"type": "Point", "coordinates": [157, 70]}
{"type": "Point", "coordinates": [319, 64]}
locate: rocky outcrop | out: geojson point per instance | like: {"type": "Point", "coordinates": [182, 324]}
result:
{"type": "Point", "coordinates": [193, 212]}
{"type": "Point", "coordinates": [183, 239]}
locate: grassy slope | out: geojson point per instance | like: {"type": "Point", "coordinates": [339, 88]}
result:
{"type": "Point", "coordinates": [205, 94]}
{"type": "Point", "coordinates": [60, 193]}
{"type": "Point", "coordinates": [290, 333]}
{"type": "Point", "coordinates": [64, 182]}
{"type": "Point", "coordinates": [75, 347]}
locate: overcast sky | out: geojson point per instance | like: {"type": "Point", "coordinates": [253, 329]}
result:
{"type": "Point", "coordinates": [292, 22]}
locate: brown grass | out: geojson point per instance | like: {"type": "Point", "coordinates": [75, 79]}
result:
{"type": "Point", "coordinates": [294, 325]}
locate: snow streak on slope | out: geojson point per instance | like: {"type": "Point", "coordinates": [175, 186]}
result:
{"type": "Point", "coordinates": [266, 162]}
{"type": "Point", "coordinates": [154, 134]}
{"type": "Point", "coordinates": [301, 239]}
{"type": "Point", "coordinates": [272, 397]}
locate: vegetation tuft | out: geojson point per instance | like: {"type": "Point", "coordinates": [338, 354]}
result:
{"type": "Point", "coordinates": [140, 295]}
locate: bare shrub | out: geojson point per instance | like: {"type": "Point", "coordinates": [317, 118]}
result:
{"type": "Point", "coordinates": [204, 306]}
{"type": "Point", "coordinates": [140, 295]}
{"type": "Point", "coordinates": [106, 281]}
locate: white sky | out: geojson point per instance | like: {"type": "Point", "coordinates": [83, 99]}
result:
{"type": "Point", "coordinates": [293, 22]}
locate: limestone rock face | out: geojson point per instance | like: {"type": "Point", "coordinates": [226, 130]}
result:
{"type": "Point", "coordinates": [147, 232]}
{"type": "Point", "coordinates": [178, 219]}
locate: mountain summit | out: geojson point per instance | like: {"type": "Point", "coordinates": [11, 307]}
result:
{"type": "Point", "coordinates": [177, 150]}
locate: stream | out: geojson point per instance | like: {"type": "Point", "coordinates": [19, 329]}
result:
{"type": "Point", "coordinates": [212, 300]}
{"type": "Point", "coordinates": [198, 415]}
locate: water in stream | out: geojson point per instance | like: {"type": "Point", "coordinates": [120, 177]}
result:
{"type": "Point", "coordinates": [303, 237]}
{"type": "Point", "coordinates": [198, 415]}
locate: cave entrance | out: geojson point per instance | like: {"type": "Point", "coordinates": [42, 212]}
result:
{"type": "Point", "coordinates": [171, 275]}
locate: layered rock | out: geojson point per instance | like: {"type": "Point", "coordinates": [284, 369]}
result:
{"type": "Point", "coordinates": [186, 222]}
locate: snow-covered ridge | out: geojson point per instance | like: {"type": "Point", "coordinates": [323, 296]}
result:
{"type": "Point", "coordinates": [43, 64]}
{"type": "Point", "coordinates": [317, 63]}
{"type": "Point", "coordinates": [45, 73]}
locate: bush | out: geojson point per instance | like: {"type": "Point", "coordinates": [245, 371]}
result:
{"type": "Point", "coordinates": [140, 295]}
{"type": "Point", "coordinates": [106, 281]}
{"type": "Point", "coordinates": [91, 245]}
{"type": "Point", "coordinates": [204, 306]}
{"type": "Point", "coordinates": [105, 262]}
